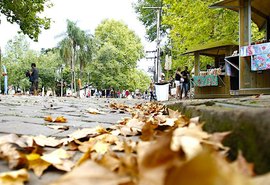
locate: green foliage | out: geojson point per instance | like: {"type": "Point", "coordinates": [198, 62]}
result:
{"type": "Point", "coordinates": [190, 23]}
{"type": "Point", "coordinates": [117, 34]}
{"type": "Point", "coordinates": [118, 51]}
{"type": "Point", "coordinates": [26, 13]}
{"type": "Point", "coordinates": [149, 17]}
{"type": "Point", "coordinates": [18, 59]}
{"type": "Point", "coordinates": [194, 23]}
{"type": "Point", "coordinates": [107, 60]}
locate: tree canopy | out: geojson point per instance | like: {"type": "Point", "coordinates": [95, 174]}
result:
{"type": "Point", "coordinates": [118, 51]}
{"type": "Point", "coordinates": [27, 14]}
{"type": "Point", "coordinates": [189, 23]}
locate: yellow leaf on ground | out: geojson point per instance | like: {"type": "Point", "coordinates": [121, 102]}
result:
{"type": "Point", "coordinates": [37, 164]}
{"type": "Point", "coordinates": [48, 118]}
{"type": "Point", "coordinates": [14, 177]}
{"type": "Point", "coordinates": [100, 147]}
{"type": "Point", "coordinates": [60, 119]}
{"type": "Point", "coordinates": [59, 159]}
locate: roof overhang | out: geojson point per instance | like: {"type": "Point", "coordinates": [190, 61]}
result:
{"type": "Point", "coordinates": [212, 49]}
{"type": "Point", "coordinates": [260, 9]}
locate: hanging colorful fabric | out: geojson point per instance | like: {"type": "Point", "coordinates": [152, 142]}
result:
{"type": "Point", "coordinates": [208, 80]}
{"type": "Point", "coordinates": [260, 62]}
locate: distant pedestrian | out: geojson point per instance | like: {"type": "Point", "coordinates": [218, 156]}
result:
{"type": "Point", "coordinates": [34, 79]}
{"type": "Point", "coordinates": [186, 76]}
{"type": "Point", "coordinates": [178, 83]}
{"type": "Point", "coordinates": [152, 89]}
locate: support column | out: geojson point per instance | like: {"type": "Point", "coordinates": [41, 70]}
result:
{"type": "Point", "coordinates": [244, 40]}
{"type": "Point", "coordinates": [197, 64]}
{"type": "Point", "coordinates": [268, 29]}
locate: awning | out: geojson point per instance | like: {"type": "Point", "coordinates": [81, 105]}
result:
{"type": "Point", "coordinates": [260, 9]}
{"type": "Point", "coordinates": [213, 48]}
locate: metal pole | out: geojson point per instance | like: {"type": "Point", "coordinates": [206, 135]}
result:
{"type": "Point", "coordinates": [61, 82]}
{"type": "Point", "coordinates": [157, 62]}
{"type": "Point", "coordinates": [0, 70]}
{"type": "Point", "coordinates": [158, 44]}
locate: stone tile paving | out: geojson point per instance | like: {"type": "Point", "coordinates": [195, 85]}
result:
{"type": "Point", "coordinates": [24, 115]}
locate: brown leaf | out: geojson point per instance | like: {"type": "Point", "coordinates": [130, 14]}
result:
{"type": "Point", "coordinates": [14, 177]}
{"type": "Point", "coordinates": [148, 131]}
{"type": "Point", "coordinates": [91, 173]}
{"type": "Point", "coordinates": [205, 169]}
{"type": "Point", "coordinates": [188, 139]}
{"type": "Point", "coordinates": [12, 153]}
{"type": "Point", "coordinates": [154, 159]}
{"type": "Point", "coordinates": [110, 161]}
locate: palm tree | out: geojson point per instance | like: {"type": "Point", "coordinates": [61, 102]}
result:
{"type": "Point", "coordinates": [75, 48]}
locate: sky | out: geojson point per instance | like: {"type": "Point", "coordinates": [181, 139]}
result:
{"type": "Point", "coordinates": [88, 14]}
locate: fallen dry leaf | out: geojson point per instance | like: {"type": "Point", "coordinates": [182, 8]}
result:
{"type": "Point", "coordinates": [42, 140]}
{"type": "Point", "coordinates": [59, 159]}
{"type": "Point", "coordinates": [56, 127]}
{"type": "Point", "coordinates": [14, 177]}
{"type": "Point", "coordinates": [188, 139]}
{"type": "Point", "coordinates": [94, 111]}
{"type": "Point", "coordinates": [245, 168]}
{"type": "Point", "coordinates": [60, 119]}
{"type": "Point", "coordinates": [154, 159]}
{"type": "Point", "coordinates": [91, 173]}
{"type": "Point", "coordinates": [86, 132]}
{"type": "Point", "coordinates": [205, 169]}
{"type": "Point", "coordinates": [48, 118]}
{"type": "Point", "coordinates": [37, 164]}
{"type": "Point", "coordinates": [13, 154]}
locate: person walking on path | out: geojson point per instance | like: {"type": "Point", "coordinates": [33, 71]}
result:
{"type": "Point", "coordinates": [34, 79]}
{"type": "Point", "coordinates": [185, 86]}
{"type": "Point", "coordinates": [152, 89]}
{"type": "Point", "coordinates": [178, 83]}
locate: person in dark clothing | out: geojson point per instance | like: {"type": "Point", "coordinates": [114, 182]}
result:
{"type": "Point", "coordinates": [152, 89]}
{"type": "Point", "coordinates": [185, 86]}
{"type": "Point", "coordinates": [34, 79]}
{"type": "Point", "coordinates": [178, 83]}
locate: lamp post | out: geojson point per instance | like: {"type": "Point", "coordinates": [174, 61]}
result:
{"type": "Point", "coordinates": [0, 70]}
{"type": "Point", "coordinates": [157, 63]}
{"type": "Point", "coordinates": [62, 67]}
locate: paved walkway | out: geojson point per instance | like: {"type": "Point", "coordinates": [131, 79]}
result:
{"type": "Point", "coordinates": [24, 115]}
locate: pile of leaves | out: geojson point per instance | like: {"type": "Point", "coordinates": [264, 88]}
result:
{"type": "Point", "coordinates": [155, 146]}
